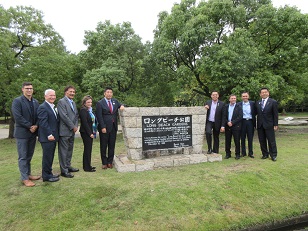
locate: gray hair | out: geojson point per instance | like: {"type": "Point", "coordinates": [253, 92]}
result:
{"type": "Point", "coordinates": [48, 90]}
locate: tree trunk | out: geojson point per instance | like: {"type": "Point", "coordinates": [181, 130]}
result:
{"type": "Point", "coordinates": [284, 112]}
{"type": "Point", "coordinates": [11, 128]}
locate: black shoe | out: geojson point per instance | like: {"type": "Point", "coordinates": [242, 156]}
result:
{"type": "Point", "coordinates": [55, 175]}
{"type": "Point", "coordinates": [251, 156]}
{"type": "Point", "coordinates": [274, 158]}
{"type": "Point", "coordinates": [52, 179]}
{"type": "Point", "coordinates": [237, 157]}
{"type": "Point", "coordinates": [92, 170]}
{"type": "Point", "coordinates": [209, 151]}
{"type": "Point", "coordinates": [71, 169]}
{"type": "Point", "coordinates": [227, 157]}
{"type": "Point", "coordinates": [264, 157]}
{"type": "Point", "coordinates": [68, 175]}
{"type": "Point", "coordinates": [244, 155]}
{"type": "Point", "coordinates": [93, 167]}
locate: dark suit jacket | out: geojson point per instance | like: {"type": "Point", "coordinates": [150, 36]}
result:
{"type": "Point", "coordinates": [253, 111]}
{"type": "Point", "coordinates": [218, 114]}
{"type": "Point", "coordinates": [268, 118]}
{"type": "Point", "coordinates": [236, 119]}
{"type": "Point", "coordinates": [48, 123]}
{"type": "Point", "coordinates": [23, 117]}
{"type": "Point", "coordinates": [86, 124]}
{"type": "Point", "coordinates": [105, 117]}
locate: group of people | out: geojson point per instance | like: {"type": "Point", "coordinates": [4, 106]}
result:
{"type": "Point", "coordinates": [239, 120]}
{"type": "Point", "coordinates": [58, 125]}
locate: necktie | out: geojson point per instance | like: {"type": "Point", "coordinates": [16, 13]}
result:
{"type": "Point", "coordinates": [72, 106]}
{"type": "Point", "coordinates": [262, 104]}
{"type": "Point", "coordinates": [109, 105]}
{"type": "Point", "coordinates": [55, 111]}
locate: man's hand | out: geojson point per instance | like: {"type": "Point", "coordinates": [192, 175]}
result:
{"type": "Point", "coordinates": [51, 138]}
{"type": "Point", "coordinates": [104, 130]}
{"type": "Point", "coordinates": [206, 107]}
{"type": "Point", "coordinates": [122, 107]}
{"type": "Point", "coordinates": [33, 128]}
{"type": "Point", "coordinates": [229, 124]}
{"type": "Point", "coordinates": [75, 129]}
{"type": "Point", "coordinates": [222, 129]}
{"type": "Point", "coordinates": [275, 128]}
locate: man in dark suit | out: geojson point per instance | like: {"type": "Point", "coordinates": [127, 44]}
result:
{"type": "Point", "coordinates": [68, 115]}
{"type": "Point", "coordinates": [24, 109]}
{"type": "Point", "coordinates": [48, 134]}
{"type": "Point", "coordinates": [267, 124]}
{"type": "Point", "coordinates": [231, 125]}
{"type": "Point", "coordinates": [248, 124]}
{"type": "Point", "coordinates": [213, 122]}
{"type": "Point", "coordinates": [107, 116]}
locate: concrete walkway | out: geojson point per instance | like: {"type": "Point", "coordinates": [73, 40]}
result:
{"type": "Point", "coordinates": [4, 133]}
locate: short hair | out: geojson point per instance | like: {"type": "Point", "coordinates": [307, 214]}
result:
{"type": "Point", "coordinates": [245, 92]}
{"type": "Point", "coordinates": [84, 100]}
{"type": "Point", "coordinates": [108, 88]}
{"type": "Point", "coordinates": [48, 90]}
{"type": "Point", "coordinates": [214, 91]}
{"type": "Point", "coordinates": [264, 88]}
{"type": "Point", "coordinates": [68, 87]}
{"type": "Point", "coordinates": [231, 95]}
{"type": "Point", "coordinates": [26, 84]}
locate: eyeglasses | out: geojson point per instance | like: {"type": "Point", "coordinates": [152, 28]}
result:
{"type": "Point", "coordinates": [28, 88]}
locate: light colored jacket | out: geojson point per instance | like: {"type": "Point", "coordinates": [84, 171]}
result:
{"type": "Point", "coordinates": [68, 117]}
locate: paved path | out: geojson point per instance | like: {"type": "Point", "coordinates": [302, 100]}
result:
{"type": "Point", "coordinates": [4, 133]}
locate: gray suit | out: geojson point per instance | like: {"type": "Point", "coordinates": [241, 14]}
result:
{"type": "Point", "coordinates": [68, 121]}
{"type": "Point", "coordinates": [25, 115]}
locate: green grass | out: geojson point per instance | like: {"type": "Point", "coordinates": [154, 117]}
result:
{"type": "Point", "coordinates": [225, 195]}
{"type": "Point", "coordinates": [294, 114]}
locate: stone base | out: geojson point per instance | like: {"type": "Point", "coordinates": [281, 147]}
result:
{"type": "Point", "coordinates": [123, 164]}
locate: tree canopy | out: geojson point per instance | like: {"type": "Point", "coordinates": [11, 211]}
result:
{"type": "Point", "coordinates": [229, 46]}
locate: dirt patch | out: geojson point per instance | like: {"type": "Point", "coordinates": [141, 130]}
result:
{"type": "Point", "coordinates": [236, 167]}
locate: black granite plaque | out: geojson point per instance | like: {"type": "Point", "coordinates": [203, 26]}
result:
{"type": "Point", "coordinates": [163, 132]}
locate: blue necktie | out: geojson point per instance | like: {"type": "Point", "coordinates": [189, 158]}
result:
{"type": "Point", "coordinates": [72, 106]}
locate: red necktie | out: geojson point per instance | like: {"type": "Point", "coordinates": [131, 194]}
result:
{"type": "Point", "coordinates": [109, 105]}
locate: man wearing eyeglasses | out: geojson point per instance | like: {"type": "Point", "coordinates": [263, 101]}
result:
{"type": "Point", "coordinates": [24, 109]}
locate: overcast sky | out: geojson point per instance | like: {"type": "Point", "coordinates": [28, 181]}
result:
{"type": "Point", "coordinates": [71, 18]}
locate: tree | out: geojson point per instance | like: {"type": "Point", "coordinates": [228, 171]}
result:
{"type": "Point", "coordinates": [234, 45]}
{"type": "Point", "coordinates": [26, 45]}
{"type": "Point", "coordinates": [281, 37]}
{"type": "Point", "coordinates": [233, 66]}
{"type": "Point", "coordinates": [113, 58]}
{"type": "Point", "coordinates": [191, 34]}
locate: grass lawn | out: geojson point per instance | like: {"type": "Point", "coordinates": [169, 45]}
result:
{"type": "Point", "coordinates": [228, 195]}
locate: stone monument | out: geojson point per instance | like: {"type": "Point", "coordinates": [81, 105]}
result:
{"type": "Point", "coordinates": [157, 137]}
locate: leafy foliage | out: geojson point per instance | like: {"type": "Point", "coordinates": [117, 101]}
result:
{"type": "Point", "coordinates": [113, 58]}
{"type": "Point", "coordinates": [225, 45]}
{"type": "Point", "coordinates": [30, 51]}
